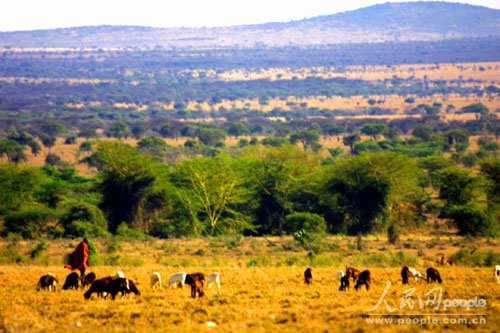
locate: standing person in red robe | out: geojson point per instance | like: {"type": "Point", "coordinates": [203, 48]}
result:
{"type": "Point", "coordinates": [79, 257]}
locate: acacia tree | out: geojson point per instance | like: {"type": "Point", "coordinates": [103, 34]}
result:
{"type": "Point", "coordinates": [209, 189]}
{"type": "Point", "coordinates": [276, 174]}
{"type": "Point", "coordinates": [365, 191]}
{"type": "Point", "coordinates": [133, 185]}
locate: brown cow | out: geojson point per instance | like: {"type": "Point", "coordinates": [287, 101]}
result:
{"type": "Point", "coordinates": [364, 278]}
{"type": "Point", "coordinates": [99, 286]}
{"type": "Point", "coordinates": [308, 279]}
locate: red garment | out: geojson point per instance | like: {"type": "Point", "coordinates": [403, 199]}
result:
{"type": "Point", "coordinates": [79, 257]}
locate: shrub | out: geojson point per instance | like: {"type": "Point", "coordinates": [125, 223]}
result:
{"type": "Point", "coordinates": [85, 229]}
{"type": "Point", "coordinates": [28, 222]}
{"type": "Point", "coordinates": [126, 232]}
{"type": "Point", "coordinates": [472, 220]}
{"type": "Point", "coordinates": [314, 243]}
{"type": "Point", "coordinates": [311, 223]}
{"type": "Point", "coordinates": [10, 256]}
{"type": "Point", "coordinates": [474, 258]}
{"type": "Point", "coordinates": [37, 250]}
{"type": "Point", "coordinates": [393, 233]}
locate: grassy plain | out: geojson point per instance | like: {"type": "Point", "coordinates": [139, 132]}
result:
{"type": "Point", "coordinates": [262, 288]}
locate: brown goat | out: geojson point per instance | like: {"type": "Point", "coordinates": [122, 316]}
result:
{"type": "Point", "coordinates": [47, 282]}
{"type": "Point", "coordinates": [433, 275]}
{"type": "Point", "coordinates": [364, 278]}
{"type": "Point", "coordinates": [308, 278]}
{"type": "Point", "coordinates": [99, 286]}
{"type": "Point", "coordinates": [71, 281]}
{"type": "Point", "coordinates": [406, 275]}
{"type": "Point", "coordinates": [351, 272]}
{"type": "Point", "coordinates": [344, 283]}
{"type": "Point", "coordinates": [88, 279]}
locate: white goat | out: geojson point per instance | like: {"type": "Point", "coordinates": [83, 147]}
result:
{"type": "Point", "coordinates": [155, 280]}
{"type": "Point", "coordinates": [177, 278]}
{"type": "Point", "coordinates": [340, 275]}
{"type": "Point", "coordinates": [497, 273]}
{"type": "Point", "coordinates": [416, 274]}
{"type": "Point", "coordinates": [214, 277]}
{"type": "Point", "coordinates": [119, 274]}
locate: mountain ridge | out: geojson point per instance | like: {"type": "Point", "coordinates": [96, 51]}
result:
{"type": "Point", "coordinates": [422, 21]}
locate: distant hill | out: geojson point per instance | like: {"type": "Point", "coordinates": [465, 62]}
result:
{"type": "Point", "coordinates": [410, 21]}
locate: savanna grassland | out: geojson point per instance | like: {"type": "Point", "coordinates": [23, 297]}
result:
{"type": "Point", "coordinates": [262, 287]}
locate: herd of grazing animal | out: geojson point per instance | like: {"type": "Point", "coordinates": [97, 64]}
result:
{"type": "Point", "coordinates": [118, 284]}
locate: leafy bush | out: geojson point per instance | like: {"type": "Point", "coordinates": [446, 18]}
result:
{"type": "Point", "coordinates": [474, 258]}
{"type": "Point", "coordinates": [311, 223]}
{"type": "Point", "coordinates": [126, 232]}
{"type": "Point", "coordinates": [28, 222]}
{"type": "Point", "coordinates": [85, 229]}
{"type": "Point", "coordinates": [472, 220]}
{"type": "Point", "coordinates": [37, 250]}
{"type": "Point", "coordinates": [384, 259]}
{"type": "Point", "coordinates": [314, 243]}
{"type": "Point", "coordinates": [10, 256]}
{"type": "Point", "coordinates": [393, 233]}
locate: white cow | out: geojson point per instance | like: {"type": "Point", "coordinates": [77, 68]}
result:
{"type": "Point", "coordinates": [155, 280]}
{"type": "Point", "coordinates": [177, 278]}
{"type": "Point", "coordinates": [416, 274]}
{"type": "Point", "coordinates": [340, 275]}
{"type": "Point", "coordinates": [497, 273]}
{"type": "Point", "coordinates": [214, 277]}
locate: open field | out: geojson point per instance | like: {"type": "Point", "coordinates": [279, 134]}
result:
{"type": "Point", "coordinates": [266, 297]}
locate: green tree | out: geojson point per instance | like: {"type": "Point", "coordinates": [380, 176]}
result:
{"type": "Point", "coordinates": [118, 130]}
{"type": "Point", "coordinates": [13, 150]}
{"type": "Point", "coordinates": [374, 129]}
{"type": "Point", "coordinates": [48, 140]}
{"type": "Point", "coordinates": [210, 136]}
{"type": "Point", "coordinates": [133, 185]}
{"type": "Point", "coordinates": [308, 138]}
{"type": "Point", "coordinates": [350, 140]}
{"type": "Point", "coordinates": [276, 174]}
{"type": "Point", "coordinates": [457, 187]}
{"type": "Point", "coordinates": [365, 191]}
{"type": "Point", "coordinates": [237, 129]}
{"type": "Point", "coordinates": [210, 189]}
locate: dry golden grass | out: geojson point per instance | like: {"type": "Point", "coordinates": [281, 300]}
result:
{"type": "Point", "coordinates": [251, 299]}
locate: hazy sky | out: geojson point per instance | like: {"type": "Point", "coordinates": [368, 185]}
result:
{"type": "Point", "coordinates": [48, 14]}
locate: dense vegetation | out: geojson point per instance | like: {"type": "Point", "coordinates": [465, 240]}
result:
{"type": "Point", "coordinates": [256, 190]}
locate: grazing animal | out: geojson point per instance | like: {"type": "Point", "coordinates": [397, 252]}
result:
{"type": "Point", "coordinates": [119, 274]}
{"type": "Point", "coordinates": [196, 280]}
{"type": "Point", "coordinates": [364, 278]}
{"type": "Point", "coordinates": [123, 286]}
{"type": "Point", "coordinates": [47, 282]}
{"type": "Point", "coordinates": [340, 275]}
{"type": "Point", "coordinates": [88, 279]}
{"type": "Point", "coordinates": [497, 273]}
{"type": "Point", "coordinates": [155, 280]}
{"type": "Point", "coordinates": [190, 278]}
{"type": "Point", "coordinates": [405, 274]}
{"type": "Point", "coordinates": [197, 287]}
{"type": "Point", "coordinates": [179, 278]}
{"type": "Point", "coordinates": [352, 272]}
{"type": "Point", "coordinates": [214, 277]}
{"type": "Point", "coordinates": [71, 281]}
{"type": "Point", "coordinates": [433, 275]}
{"type": "Point", "coordinates": [416, 274]}
{"type": "Point", "coordinates": [100, 287]}
{"type": "Point", "coordinates": [344, 283]}
{"type": "Point", "coordinates": [308, 278]}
